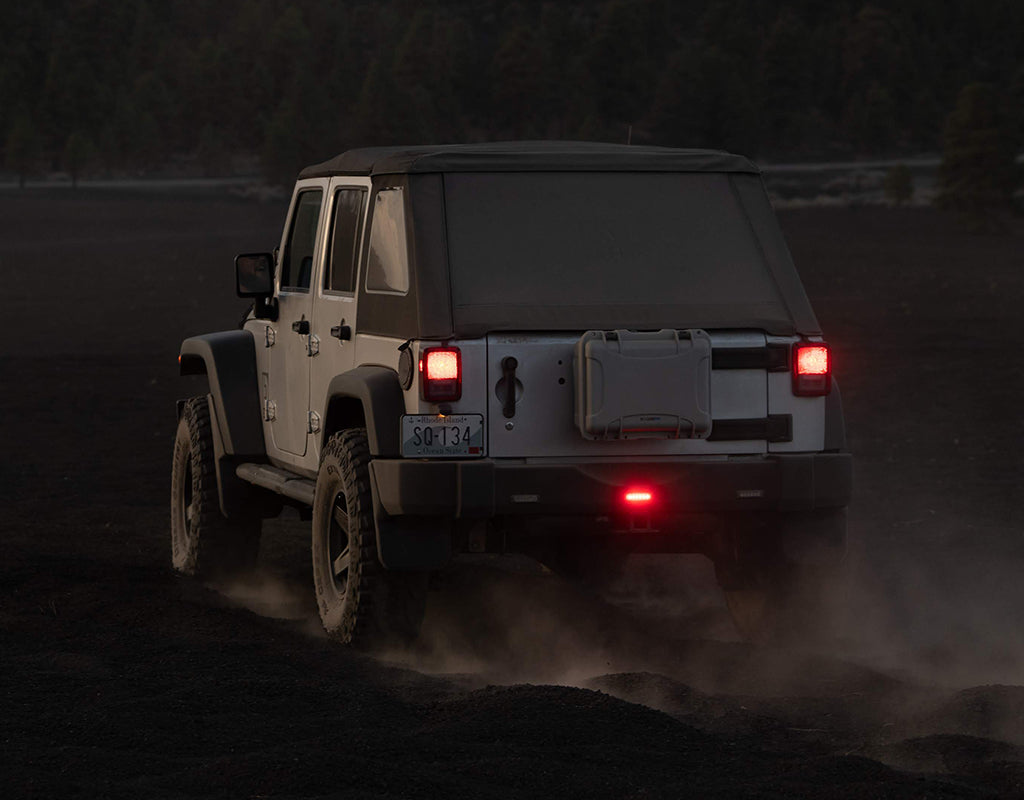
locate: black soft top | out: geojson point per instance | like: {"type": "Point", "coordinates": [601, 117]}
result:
{"type": "Point", "coordinates": [576, 236]}
{"type": "Point", "coordinates": [526, 157]}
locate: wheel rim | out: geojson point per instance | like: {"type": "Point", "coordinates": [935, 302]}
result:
{"type": "Point", "coordinates": [338, 551]}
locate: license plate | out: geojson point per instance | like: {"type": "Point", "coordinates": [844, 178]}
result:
{"type": "Point", "coordinates": [446, 435]}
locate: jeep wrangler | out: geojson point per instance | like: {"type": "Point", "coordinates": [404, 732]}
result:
{"type": "Point", "coordinates": [573, 350]}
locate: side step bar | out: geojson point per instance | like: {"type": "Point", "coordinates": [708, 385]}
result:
{"type": "Point", "coordinates": [278, 480]}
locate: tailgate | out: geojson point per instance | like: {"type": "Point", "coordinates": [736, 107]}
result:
{"type": "Point", "coordinates": [618, 408]}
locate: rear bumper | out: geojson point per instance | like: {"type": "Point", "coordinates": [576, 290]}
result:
{"type": "Point", "coordinates": [485, 488]}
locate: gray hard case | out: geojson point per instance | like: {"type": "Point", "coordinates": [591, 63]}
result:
{"type": "Point", "coordinates": [643, 384]}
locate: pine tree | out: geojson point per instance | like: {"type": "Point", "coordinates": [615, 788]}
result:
{"type": "Point", "coordinates": [79, 151]}
{"type": "Point", "coordinates": [22, 148]}
{"type": "Point", "coordinates": [979, 173]}
{"type": "Point", "coordinates": [898, 185]}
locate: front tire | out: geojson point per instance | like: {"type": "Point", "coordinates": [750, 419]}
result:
{"type": "Point", "coordinates": [204, 542]}
{"type": "Point", "coordinates": [360, 602]}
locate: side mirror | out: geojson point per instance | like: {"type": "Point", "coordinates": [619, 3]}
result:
{"type": "Point", "coordinates": [254, 275]}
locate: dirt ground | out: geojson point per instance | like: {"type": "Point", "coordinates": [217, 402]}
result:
{"type": "Point", "coordinates": [119, 679]}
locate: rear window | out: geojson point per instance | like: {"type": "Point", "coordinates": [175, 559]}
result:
{"type": "Point", "coordinates": [655, 247]}
{"type": "Point", "coordinates": [387, 263]}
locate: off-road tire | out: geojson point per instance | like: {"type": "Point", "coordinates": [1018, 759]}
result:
{"type": "Point", "coordinates": [787, 611]}
{"type": "Point", "coordinates": [773, 600]}
{"type": "Point", "coordinates": [204, 542]}
{"type": "Point", "coordinates": [361, 603]}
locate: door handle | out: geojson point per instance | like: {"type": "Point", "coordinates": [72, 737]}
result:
{"type": "Point", "coordinates": [342, 332]}
{"type": "Point", "coordinates": [301, 327]}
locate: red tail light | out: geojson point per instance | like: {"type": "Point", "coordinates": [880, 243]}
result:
{"type": "Point", "coordinates": [441, 374]}
{"type": "Point", "coordinates": [638, 497]}
{"type": "Point", "coordinates": [812, 370]}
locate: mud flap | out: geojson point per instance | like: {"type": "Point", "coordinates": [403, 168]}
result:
{"type": "Point", "coordinates": [407, 542]}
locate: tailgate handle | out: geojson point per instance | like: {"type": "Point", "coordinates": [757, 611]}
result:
{"type": "Point", "coordinates": [508, 371]}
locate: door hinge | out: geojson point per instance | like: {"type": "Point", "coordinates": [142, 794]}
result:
{"type": "Point", "coordinates": [312, 345]}
{"type": "Point", "coordinates": [271, 336]}
{"type": "Point", "coordinates": [269, 410]}
{"type": "Point", "coordinates": [313, 422]}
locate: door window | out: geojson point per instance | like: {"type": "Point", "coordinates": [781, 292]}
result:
{"type": "Point", "coordinates": [387, 265]}
{"type": "Point", "coordinates": [297, 260]}
{"type": "Point", "coordinates": [340, 275]}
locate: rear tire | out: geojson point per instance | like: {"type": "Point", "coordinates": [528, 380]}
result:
{"type": "Point", "coordinates": [774, 598]}
{"type": "Point", "coordinates": [782, 608]}
{"type": "Point", "coordinates": [204, 542]}
{"type": "Point", "coordinates": [360, 602]}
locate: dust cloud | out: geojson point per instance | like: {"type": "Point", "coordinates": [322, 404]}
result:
{"type": "Point", "coordinates": [884, 684]}
{"type": "Point", "coordinates": [268, 594]}
{"type": "Point", "coordinates": [947, 623]}
{"type": "Point", "coordinates": [918, 670]}
{"type": "Point", "coordinates": [507, 619]}
{"type": "Point", "coordinates": [936, 600]}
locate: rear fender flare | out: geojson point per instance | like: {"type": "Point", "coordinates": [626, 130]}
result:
{"type": "Point", "coordinates": [404, 542]}
{"type": "Point", "coordinates": [379, 393]}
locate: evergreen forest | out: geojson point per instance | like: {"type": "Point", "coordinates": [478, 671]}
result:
{"type": "Point", "coordinates": [141, 87]}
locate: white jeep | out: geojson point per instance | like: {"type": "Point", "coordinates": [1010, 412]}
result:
{"type": "Point", "coordinates": [571, 350]}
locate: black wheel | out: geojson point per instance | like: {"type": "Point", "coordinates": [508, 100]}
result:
{"type": "Point", "coordinates": [774, 597]}
{"type": "Point", "coordinates": [360, 602]}
{"type": "Point", "coordinates": [203, 541]}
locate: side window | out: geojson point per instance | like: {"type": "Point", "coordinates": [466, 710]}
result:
{"type": "Point", "coordinates": [297, 260]}
{"type": "Point", "coordinates": [340, 275]}
{"type": "Point", "coordinates": [387, 264]}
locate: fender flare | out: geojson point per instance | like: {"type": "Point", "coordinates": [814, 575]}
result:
{"type": "Point", "coordinates": [228, 359]}
{"type": "Point", "coordinates": [380, 394]}
{"type": "Point", "coordinates": [405, 542]}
